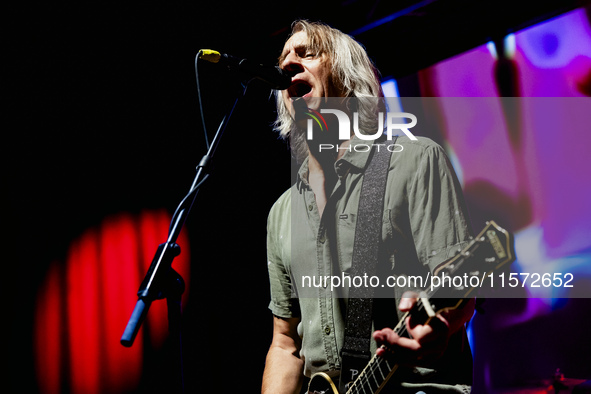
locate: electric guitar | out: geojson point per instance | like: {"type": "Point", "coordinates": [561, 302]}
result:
{"type": "Point", "coordinates": [490, 250]}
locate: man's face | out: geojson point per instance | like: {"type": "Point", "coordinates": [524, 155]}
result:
{"type": "Point", "coordinates": [312, 76]}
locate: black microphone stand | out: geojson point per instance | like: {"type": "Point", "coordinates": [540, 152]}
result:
{"type": "Point", "coordinates": [161, 280]}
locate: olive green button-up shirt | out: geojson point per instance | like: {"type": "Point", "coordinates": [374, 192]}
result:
{"type": "Point", "coordinates": [424, 223]}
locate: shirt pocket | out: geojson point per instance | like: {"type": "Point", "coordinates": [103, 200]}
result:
{"type": "Point", "coordinates": [345, 235]}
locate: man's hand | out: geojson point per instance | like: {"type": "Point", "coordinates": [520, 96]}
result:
{"type": "Point", "coordinates": [428, 342]}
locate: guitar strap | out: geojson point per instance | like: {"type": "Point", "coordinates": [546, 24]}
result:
{"type": "Point", "coordinates": [356, 348]}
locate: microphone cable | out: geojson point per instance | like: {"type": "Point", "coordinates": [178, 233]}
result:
{"type": "Point", "coordinates": [199, 98]}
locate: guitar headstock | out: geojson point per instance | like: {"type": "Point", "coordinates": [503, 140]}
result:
{"type": "Point", "coordinates": [492, 249]}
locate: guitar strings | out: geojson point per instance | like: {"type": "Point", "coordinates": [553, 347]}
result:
{"type": "Point", "coordinates": [376, 361]}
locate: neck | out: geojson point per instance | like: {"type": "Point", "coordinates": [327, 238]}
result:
{"type": "Point", "coordinates": [324, 160]}
{"type": "Point", "coordinates": [322, 176]}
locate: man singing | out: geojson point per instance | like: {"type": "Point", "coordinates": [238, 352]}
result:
{"type": "Point", "coordinates": [312, 226]}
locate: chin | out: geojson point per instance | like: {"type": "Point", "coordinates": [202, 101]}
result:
{"type": "Point", "coordinates": [314, 103]}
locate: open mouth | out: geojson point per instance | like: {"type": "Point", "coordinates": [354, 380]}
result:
{"type": "Point", "coordinates": [299, 89]}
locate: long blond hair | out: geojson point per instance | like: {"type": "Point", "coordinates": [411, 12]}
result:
{"type": "Point", "coordinates": [352, 71]}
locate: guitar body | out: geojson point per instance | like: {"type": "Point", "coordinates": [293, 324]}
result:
{"type": "Point", "coordinates": [321, 383]}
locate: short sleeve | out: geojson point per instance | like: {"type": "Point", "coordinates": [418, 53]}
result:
{"type": "Point", "coordinates": [283, 304]}
{"type": "Point", "coordinates": [437, 210]}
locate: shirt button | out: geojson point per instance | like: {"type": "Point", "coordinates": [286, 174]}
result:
{"type": "Point", "coordinates": [310, 207]}
{"type": "Point", "coordinates": [327, 330]}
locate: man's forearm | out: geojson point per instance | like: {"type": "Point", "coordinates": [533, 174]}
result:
{"type": "Point", "coordinates": [283, 372]}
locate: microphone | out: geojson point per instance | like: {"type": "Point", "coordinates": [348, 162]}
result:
{"type": "Point", "coordinates": [273, 76]}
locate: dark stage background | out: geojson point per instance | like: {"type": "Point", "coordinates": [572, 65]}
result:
{"type": "Point", "coordinates": [107, 124]}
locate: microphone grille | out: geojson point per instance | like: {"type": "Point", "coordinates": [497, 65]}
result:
{"type": "Point", "coordinates": [210, 55]}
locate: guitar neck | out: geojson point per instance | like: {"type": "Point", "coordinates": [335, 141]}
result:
{"type": "Point", "coordinates": [379, 369]}
{"type": "Point", "coordinates": [374, 376]}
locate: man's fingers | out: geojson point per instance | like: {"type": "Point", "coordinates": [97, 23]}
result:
{"type": "Point", "coordinates": [407, 301]}
{"type": "Point", "coordinates": [390, 339]}
{"type": "Point", "coordinates": [426, 344]}
{"type": "Point", "coordinates": [403, 351]}
{"type": "Point", "coordinates": [436, 330]}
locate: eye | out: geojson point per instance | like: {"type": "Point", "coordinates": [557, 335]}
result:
{"type": "Point", "coordinates": [305, 53]}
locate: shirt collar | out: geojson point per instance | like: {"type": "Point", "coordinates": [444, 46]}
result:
{"type": "Point", "coordinates": [356, 157]}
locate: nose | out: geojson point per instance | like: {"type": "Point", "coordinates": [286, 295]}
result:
{"type": "Point", "coordinates": [292, 63]}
